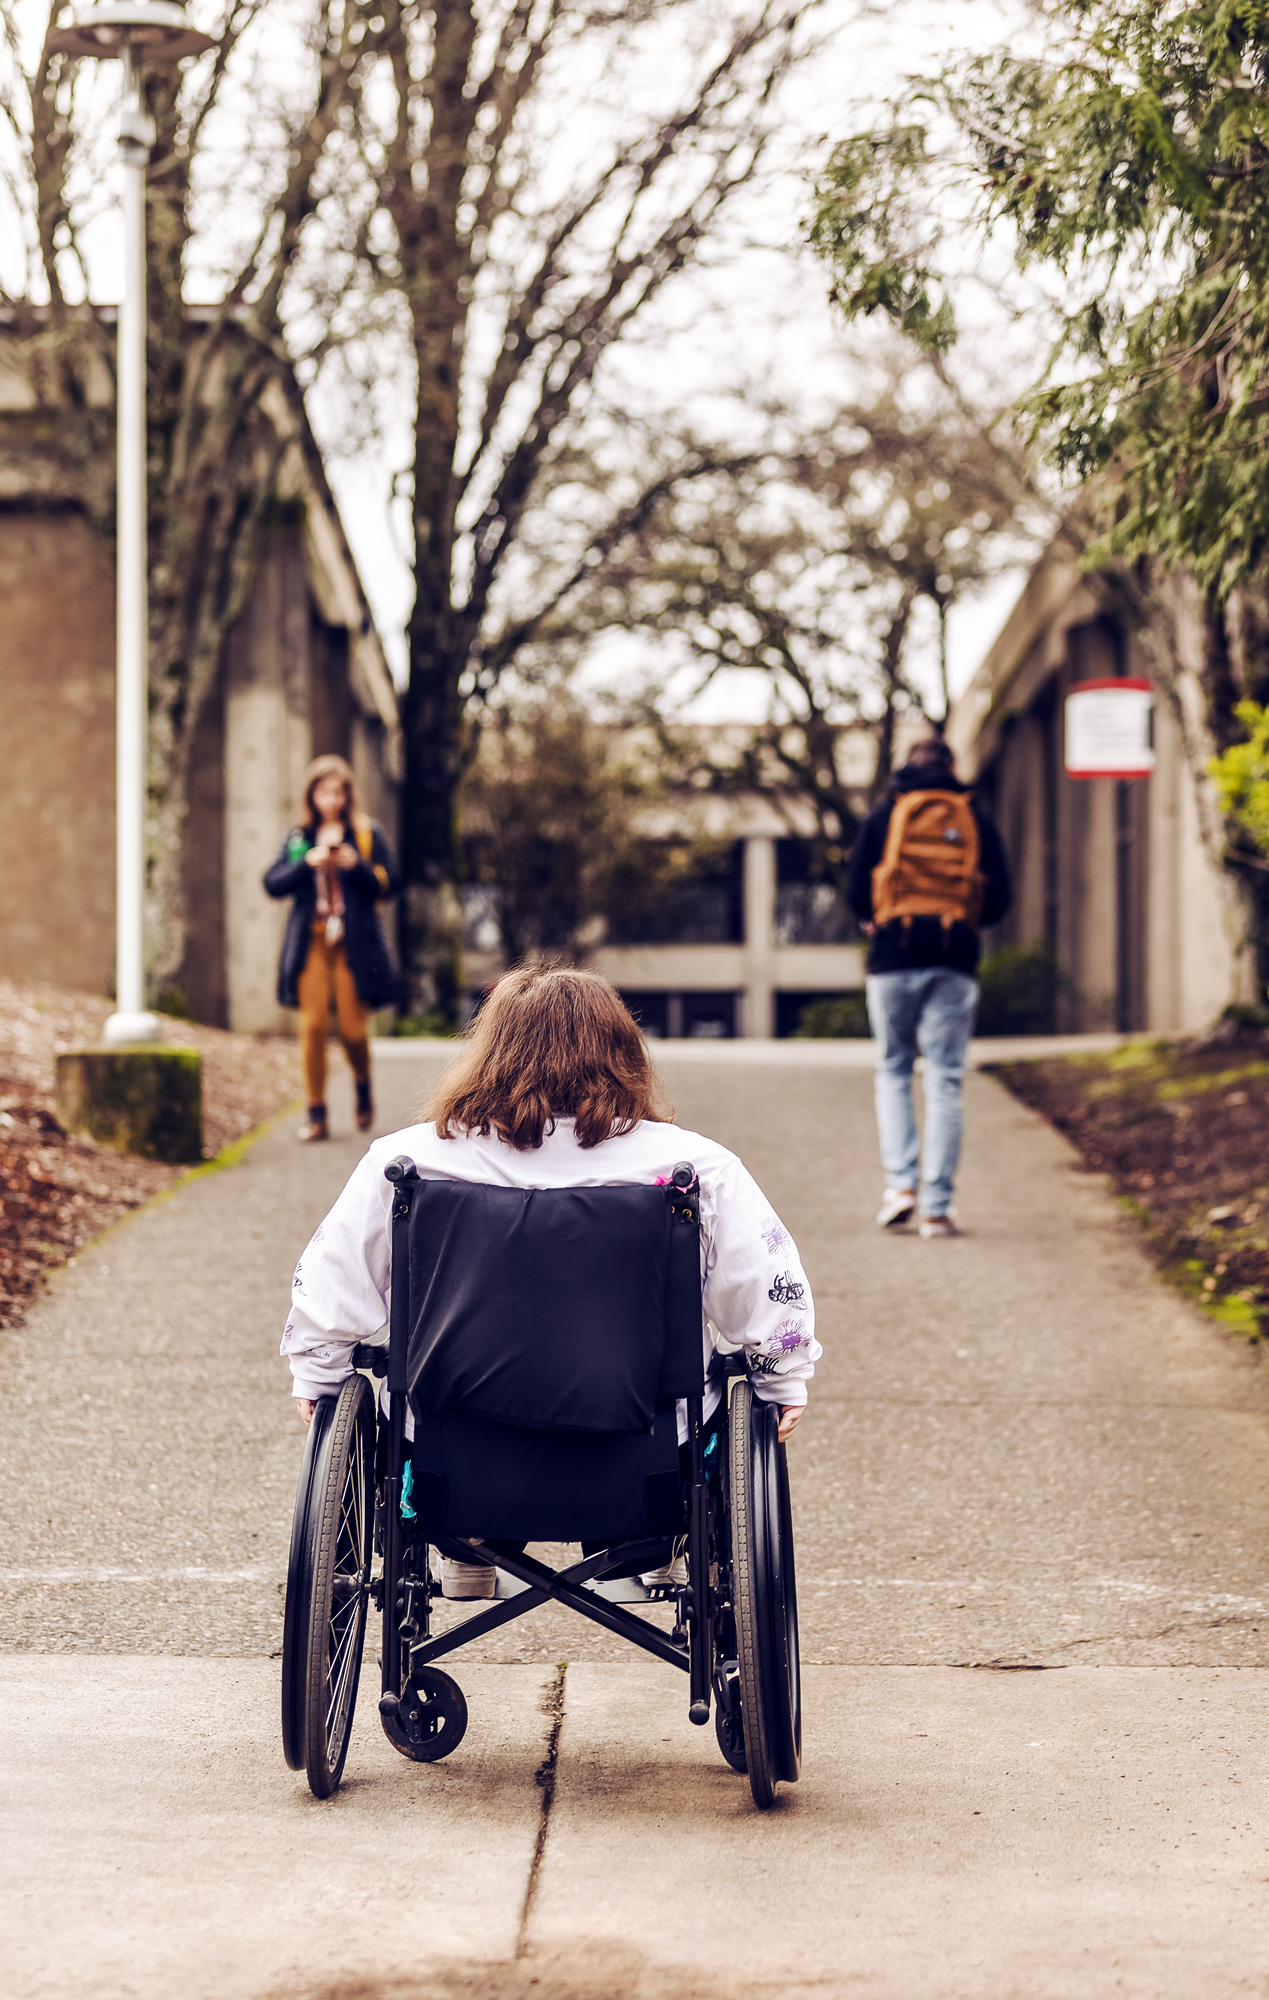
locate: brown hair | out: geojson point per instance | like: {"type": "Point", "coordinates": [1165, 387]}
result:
{"type": "Point", "coordinates": [331, 767]}
{"type": "Point", "coordinates": [550, 1042]}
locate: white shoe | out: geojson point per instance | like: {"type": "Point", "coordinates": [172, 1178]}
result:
{"type": "Point", "coordinates": [897, 1207]}
{"type": "Point", "coordinates": [459, 1579]}
{"type": "Point", "coordinates": [940, 1225]}
{"type": "Point", "coordinates": [670, 1576]}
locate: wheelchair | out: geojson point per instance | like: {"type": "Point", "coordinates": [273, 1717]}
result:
{"type": "Point", "coordinates": [548, 1335]}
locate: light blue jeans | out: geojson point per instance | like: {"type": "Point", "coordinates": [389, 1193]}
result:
{"type": "Point", "coordinates": [932, 1012]}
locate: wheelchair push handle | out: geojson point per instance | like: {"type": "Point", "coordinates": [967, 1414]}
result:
{"type": "Point", "coordinates": [400, 1169]}
{"type": "Point", "coordinates": [686, 1201]}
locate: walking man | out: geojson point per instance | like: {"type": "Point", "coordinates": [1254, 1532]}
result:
{"type": "Point", "coordinates": [928, 869]}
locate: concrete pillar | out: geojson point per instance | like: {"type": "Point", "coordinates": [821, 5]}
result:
{"type": "Point", "coordinates": [268, 742]}
{"type": "Point", "coordinates": [758, 1003]}
{"type": "Point", "coordinates": [266, 749]}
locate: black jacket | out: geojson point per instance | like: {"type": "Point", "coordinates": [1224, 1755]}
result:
{"type": "Point", "coordinates": [365, 885]}
{"type": "Point", "coordinates": [923, 943]}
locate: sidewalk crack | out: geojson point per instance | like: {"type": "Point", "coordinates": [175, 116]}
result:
{"type": "Point", "coordinates": [544, 1778]}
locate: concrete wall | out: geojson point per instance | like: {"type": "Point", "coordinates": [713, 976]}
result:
{"type": "Point", "coordinates": [755, 971]}
{"type": "Point", "coordinates": [1192, 971]}
{"type": "Point", "coordinates": [57, 727]}
{"type": "Point", "coordinates": [284, 692]}
{"type": "Point", "coordinates": [268, 742]}
{"type": "Point", "coordinates": [203, 975]}
{"type": "Point", "coordinates": [1115, 876]}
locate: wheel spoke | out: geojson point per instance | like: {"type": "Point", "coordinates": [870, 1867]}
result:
{"type": "Point", "coordinates": [340, 1667]}
{"type": "Point", "coordinates": [348, 1595]}
{"type": "Point", "coordinates": [352, 1515]}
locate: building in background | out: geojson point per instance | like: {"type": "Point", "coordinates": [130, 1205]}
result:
{"type": "Point", "coordinates": [302, 673]}
{"type": "Point", "coordinates": [750, 940]}
{"type": "Point", "coordinates": [1113, 876]}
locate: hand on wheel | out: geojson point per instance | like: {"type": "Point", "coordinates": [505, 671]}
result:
{"type": "Point", "coordinates": [790, 1418]}
{"type": "Point", "coordinates": [305, 1409]}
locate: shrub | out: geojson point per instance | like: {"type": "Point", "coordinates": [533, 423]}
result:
{"type": "Point", "coordinates": [1019, 990]}
{"type": "Point", "coordinates": [1241, 775]}
{"type": "Point", "coordinates": [838, 1016]}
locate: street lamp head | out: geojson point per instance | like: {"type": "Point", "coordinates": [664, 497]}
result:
{"type": "Point", "coordinates": [149, 31]}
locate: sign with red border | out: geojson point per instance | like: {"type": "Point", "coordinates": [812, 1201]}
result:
{"type": "Point", "coordinates": [1110, 729]}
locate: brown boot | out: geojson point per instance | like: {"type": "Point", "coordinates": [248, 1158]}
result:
{"type": "Point", "coordinates": [365, 1107]}
{"type": "Point", "coordinates": [314, 1126]}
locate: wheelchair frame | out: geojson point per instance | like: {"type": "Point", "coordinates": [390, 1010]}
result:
{"type": "Point", "coordinates": [735, 1633]}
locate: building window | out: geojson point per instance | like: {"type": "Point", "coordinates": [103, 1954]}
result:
{"type": "Point", "coordinates": [684, 1016]}
{"type": "Point", "coordinates": [808, 909]}
{"type": "Point", "coordinates": [652, 1012]}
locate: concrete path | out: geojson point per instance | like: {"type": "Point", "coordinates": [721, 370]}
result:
{"type": "Point", "coordinates": [1024, 1454]}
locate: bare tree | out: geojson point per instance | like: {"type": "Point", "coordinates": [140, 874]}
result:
{"type": "Point", "coordinates": [519, 267]}
{"type": "Point", "coordinates": [406, 165]}
{"type": "Point", "coordinates": [219, 380]}
{"type": "Point", "coordinates": [571, 822]}
{"type": "Point", "coordinates": [805, 563]}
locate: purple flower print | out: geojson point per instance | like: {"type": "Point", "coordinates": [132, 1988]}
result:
{"type": "Point", "coordinates": [775, 1235]}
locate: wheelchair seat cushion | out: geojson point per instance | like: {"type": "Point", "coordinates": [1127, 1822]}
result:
{"type": "Point", "coordinates": [544, 1308]}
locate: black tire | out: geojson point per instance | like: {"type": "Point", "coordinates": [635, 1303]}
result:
{"type": "Point", "coordinates": [428, 1719]}
{"type": "Point", "coordinates": [295, 1620]}
{"type": "Point", "coordinates": [730, 1731]}
{"type": "Point", "coordinates": [764, 1596]}
{"type": "Point", "coordinates": [332, 1586]}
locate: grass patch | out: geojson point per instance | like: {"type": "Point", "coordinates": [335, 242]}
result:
{"type": "Point", "coordinates": [1182, 1128]}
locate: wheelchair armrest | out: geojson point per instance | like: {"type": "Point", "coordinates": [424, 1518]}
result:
{"type": "Point", "coordinates": [371, 1357]}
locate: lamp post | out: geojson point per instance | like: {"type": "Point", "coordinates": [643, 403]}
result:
{"type": "Point", "coordinates": [132, 31]}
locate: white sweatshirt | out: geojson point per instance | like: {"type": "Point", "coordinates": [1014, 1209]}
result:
{"type": "Point", "coordinates": [754, 1289]}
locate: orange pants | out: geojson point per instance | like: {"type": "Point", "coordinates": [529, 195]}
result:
{"type": "Point", "coordinates": [326, 977]}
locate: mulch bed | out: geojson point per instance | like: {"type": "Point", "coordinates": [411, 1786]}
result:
{"type": "Point", "coordinates": [1183, 1130]}
{"type": "Point", "coordinates": [56, 1193]}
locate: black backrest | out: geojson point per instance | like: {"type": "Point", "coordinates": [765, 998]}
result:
{"type": "Point", "coordinates": [564, 1309]}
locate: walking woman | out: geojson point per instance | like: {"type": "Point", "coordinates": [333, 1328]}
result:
{"type": "Point", "coordinates": [336, 866]}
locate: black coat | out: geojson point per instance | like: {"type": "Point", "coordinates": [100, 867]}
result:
{"type": "Point", "coordinates": [365, 885]}
{"type": "Point", "coordinates": [923, 943]}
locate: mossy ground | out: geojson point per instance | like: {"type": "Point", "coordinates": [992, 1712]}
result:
{"type": "Point", "coordinates": [1183, 1130]}
{"type": "Point", "coordinates": [56, 1193]}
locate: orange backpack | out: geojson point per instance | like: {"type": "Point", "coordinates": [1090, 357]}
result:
{"type": "Point", "coordinates": [930, 864]}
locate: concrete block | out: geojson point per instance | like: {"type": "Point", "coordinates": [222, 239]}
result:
{"type": "Point", "coordinates": [140, 1100]}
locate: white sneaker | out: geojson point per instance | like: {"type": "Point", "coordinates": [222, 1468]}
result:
{"type": "Point", "coordinates": [670, 1576]}
{"type": "Point", "coordinates": [459, 1579]}
{"type": "Point", "coordinates": [897, 1207]}
{"type": "Point", "coordinates": [940, 1225]}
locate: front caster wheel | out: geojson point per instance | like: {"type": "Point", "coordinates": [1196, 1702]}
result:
{"type": "Point", "coordinates": [730, 1731]}
{"type": "Point", "coordinates": [427, 1719]}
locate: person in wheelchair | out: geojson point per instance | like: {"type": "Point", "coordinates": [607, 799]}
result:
{"type": "Point", "coordinates": [555, 1088]}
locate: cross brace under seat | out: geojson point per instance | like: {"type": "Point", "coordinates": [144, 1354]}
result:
{"type": "Point", "coordinates": [563, 1586]}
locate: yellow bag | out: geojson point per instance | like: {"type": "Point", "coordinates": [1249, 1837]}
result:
{"type": "Point", "coordinates": [930, 864]}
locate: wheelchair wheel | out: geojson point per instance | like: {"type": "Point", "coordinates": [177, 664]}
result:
{"type": "Point", "coordinates": [764, 1596]}
{"type": "Point", "coordinates": [328, 1586]}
